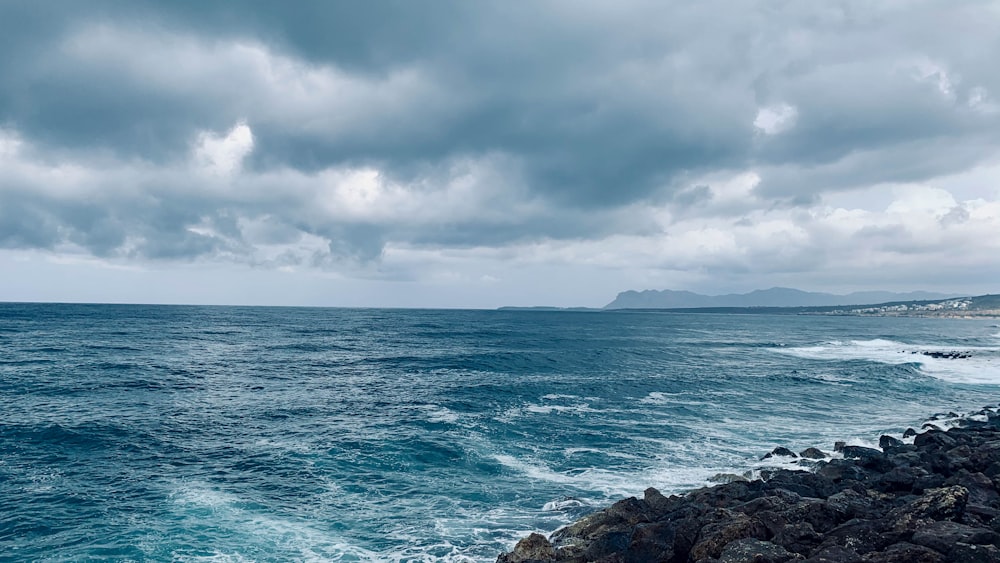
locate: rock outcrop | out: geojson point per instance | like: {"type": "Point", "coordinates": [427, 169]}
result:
{"type": "Point", "coordinates": [934, 501]}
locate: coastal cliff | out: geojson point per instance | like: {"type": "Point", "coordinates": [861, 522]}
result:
{"type": "Point", "coordinates": [933, 501]}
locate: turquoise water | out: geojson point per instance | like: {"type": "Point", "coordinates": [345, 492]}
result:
{"type": "Point", "coordinates": [272, 434]}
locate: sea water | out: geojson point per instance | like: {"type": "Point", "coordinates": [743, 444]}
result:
{"type": "Point", "coordinates": [165, 433]}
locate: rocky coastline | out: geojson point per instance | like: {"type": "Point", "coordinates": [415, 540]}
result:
{"type": "Point", "coordinates": [935, 500]}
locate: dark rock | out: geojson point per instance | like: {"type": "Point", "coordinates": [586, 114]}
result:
{"type": "Point", "coordinates": [779, 451]}
{"type": "Point", "coordinates": [756, 551]}
{"type": "Point", "coordinates": [726, 478]}
{"type": "Point", "coordinates": [838, 446]}
{"type": "Point", "coordinates": [981, 489]}
{"type": "Point", "coordinates": [909, 433]}
{"type": "Point", "coordinates": [904, 552]}
{"type": "Point", "coordinates": [532, 548]}
{"type": "Point", "coordinates": [607, 544]}
{"type": "Point", "coordinates": [929, 481]}
{"type": "Point", "coordinates": [725, 526]}
{"type": "Point", "coordinates": [966, 553]}
{"type": "Point", "coordinates": [901, 479]}
{"type": "Point", "coordinates": [655, 542]}
{"type": "Point", "coordinates": [799, 537]}
{"type": "Point", "coordinates": [849, 504]}
{"type": "Point", "coordinates": [801, 483]}
{"type": "Point", "coordinates": [660, 505]}
{"type": "Point", "coordinates": [835, 554]}
{"type": "Point", "coordinates": [839, 470]}
{"type": "Point", "coordinates": [861, 452]}
{"type": "Point", "coordinates": [946, 503]}
{"type": "Point", "coordinates": [813, 453]}
{"type": "Point", "coordinates": [723, 495]}
{"type": "Point", "coordinates": [861, 535]}
{"type": "Point", "coordinates": [934, 438]}
{"type": "Point", "coordinates": [943, 535]}
{"type": "Point", "coordinates": [886, 442]}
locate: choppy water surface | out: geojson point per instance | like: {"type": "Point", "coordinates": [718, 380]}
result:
{"type": "Point", "coordinates": [263, 434]}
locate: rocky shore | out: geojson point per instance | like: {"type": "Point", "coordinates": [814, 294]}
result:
{"type": "Point", "coordinates": [934, 500]}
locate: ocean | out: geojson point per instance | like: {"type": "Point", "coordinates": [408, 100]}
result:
{"type": "Point", "coordinates": [175, 433]}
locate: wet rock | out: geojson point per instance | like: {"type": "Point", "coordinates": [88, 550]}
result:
{"type": "Point", "coordinates": [813, 453]}
{"type": "Point", "coordinates": [834, 554]}
{"type": "Point", "coordinates": [725, 478]}
{"type": "Point", "coordinates": [861, 452]}
{"type": "Point", "coordinates": [904, 552]}
{"type": "Point", "coordinates": [943, 535]}
{"type": "Point", "coordinates": [966, 553]}
{"type": "Point", "coordinates": [799, 537]}
{"type": "Point", "coordinates": [886, 442]}
{"type": "Point", "coordinates": [605, 545]}
{"type": "Point", "coordinates": [859, 534]}
{"type": "Point", "coordinates": [840, 470]}
{"type": "Point", "coordinates": [946, 503]}
{"type": "Point", "coordinates": [981, 489]}
{"type": "Point", "coordinates": [901, 479]}
{"type": "Point", "coordinates": [909, 433]}
{"type": "Point", "coordinates": [802, 483]}
{"type": "Point", "coordinates": [780, 451]}
{"type": "Point", "coordinates": [659, 504]}
{"type": "Point", "coordinates": [725, 526]}
{"type": "Point", "coordinates": [934, 438]}
{"type": "Point", "coordinates": [530, 549]}
{"type": "Point", "coordinates": [656, 541]}
{"type": "Point", "coordinates": [756, 551]}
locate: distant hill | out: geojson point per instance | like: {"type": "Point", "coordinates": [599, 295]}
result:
{"type": "Point", "coordinates": [774, 297]}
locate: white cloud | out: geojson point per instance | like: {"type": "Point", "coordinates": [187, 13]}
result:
{"type": "Point", "coordinates": [737, 189]}
{"type": "Point", "coordinates": [979, 100]}
{"type": "Point", "coordinates": [772, 120]}
{"type": "Point", "coordinates": [10, 144]}
{"type": "Point", "coordinates": [223, 155]}
{"type": "Point", "coordinates": [934, 72]}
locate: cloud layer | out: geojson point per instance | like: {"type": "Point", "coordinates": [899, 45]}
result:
{"type": "Point", "coordinates": [840, 146]}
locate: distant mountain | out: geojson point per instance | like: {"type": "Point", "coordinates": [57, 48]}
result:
{"type": "Point", "coordinates": [774, 297]}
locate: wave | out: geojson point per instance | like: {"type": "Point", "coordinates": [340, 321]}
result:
{"type": "Point", "coordinates": [971, 364]}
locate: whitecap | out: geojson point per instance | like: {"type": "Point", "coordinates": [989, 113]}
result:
{"type": "Point", "coordinates": [439, 414]}
{"type": "Point", "coordinates": [655, 398]}
{"type": "Point", "coordinates": [983, 365]}
{"type": "Point", "coordinates": [549, 409]}
{"type": "Point", "coordinates": [669, 478]}
{"type": "Point", "coordinates": [568, 503]}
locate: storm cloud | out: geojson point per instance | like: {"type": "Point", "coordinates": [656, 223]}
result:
{"type": "Point", "coordinates": [659, 143]}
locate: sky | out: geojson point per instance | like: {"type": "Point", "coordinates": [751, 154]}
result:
{"type": "Point", "coordinates": [476, 154]}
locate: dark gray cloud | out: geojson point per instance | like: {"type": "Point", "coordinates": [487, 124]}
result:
{"type": "Point", "coordinates": [489, 124]}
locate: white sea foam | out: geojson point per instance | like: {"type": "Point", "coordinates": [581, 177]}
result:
{"type": "Point", "coordinates": [668, 477]}
{"type": "Point", "coordinates": [982, 367]}
{"type": "Point", "coordinates": [656, 398]}
{"type": "Point", "coordinates": [564, 504]}
{"type": "Point", "coordinates": [201, 502]}
{"type": "Point", "coordinates": [437, 413]}
{"type": "Point", "coordinates": [620, 455]}
{"type": "Point", "coordinates": [549, 409]}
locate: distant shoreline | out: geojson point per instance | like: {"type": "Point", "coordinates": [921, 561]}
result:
{"type": "Point", "coordinates": [979, 307]}
{"type": "Point", "coordinates": [811, 311]}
